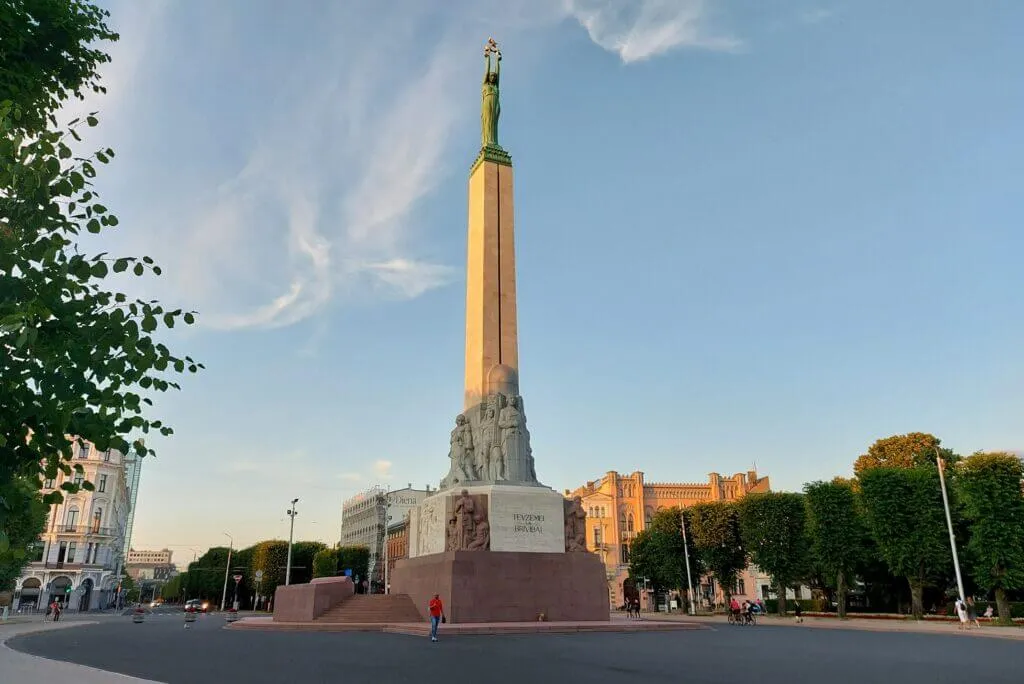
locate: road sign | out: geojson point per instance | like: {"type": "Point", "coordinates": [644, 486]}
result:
{"type": "Point", "coordinates": [238, 578]}
{"type": "Point", "coordinates": [259, 575]}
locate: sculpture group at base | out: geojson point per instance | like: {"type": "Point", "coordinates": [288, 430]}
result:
{"type": "Point", "coordinates": [575, 525]}
{"type": "Point", "coordinates": [490, 443]}
{"type": "Point", "coordinates": [468, 529]}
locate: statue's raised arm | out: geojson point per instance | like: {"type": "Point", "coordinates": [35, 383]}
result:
{"type": "Point", "coordinates": [490, 106]}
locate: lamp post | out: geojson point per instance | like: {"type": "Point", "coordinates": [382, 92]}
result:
{"type": "Point", "coordinates": [227, 570]}
{"type": "Point", "coordinates": [949, 521]}
{"type": "Point", "coordinates": [291, 535]}
{"type": "Point", "coordinates": [686, 556]}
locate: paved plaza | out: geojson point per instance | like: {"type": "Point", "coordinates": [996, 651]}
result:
{"type": "Point", "coordinates": [162, 650]}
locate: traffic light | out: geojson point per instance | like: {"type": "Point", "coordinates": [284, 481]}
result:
{"type": "Point", "coordinates": [67, 589]}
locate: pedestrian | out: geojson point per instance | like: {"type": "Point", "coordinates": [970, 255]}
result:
{"type": "Point", "coordinates": [798, 612]}
{"type": "Point", "coordinates": [56, 610]}
{"type": "Point", "coordinates": [961, 612]}
{"type": "Point", "coordinates": [436, 609]}
{"type": "Point", "coordinates": [761, 608]}
{"type": "Point", "coordinates": [972, 613]}
{"type": "Point", "coordinates": [988, 611]}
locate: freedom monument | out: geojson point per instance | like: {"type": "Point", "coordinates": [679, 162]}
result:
{"type": "Point", "coordinates": [495, 543]}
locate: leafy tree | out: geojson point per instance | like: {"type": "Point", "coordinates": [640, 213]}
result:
{"type": "Point", "coordinates": [78, 358]}
{"type": "Point", "coordinates": [715, 532]}
{"type": "Point", "coordinates": [837, 534]}
{"type": "Point", "coordinates": [205, 577]}
{"type": "Point", "coordinates": [356, 559]}
{"type": "Point", "coordinates": [24, 516]}
{"type": "Point", "coordinates": [303, 553]}
{"type": "Point", "coordinates": [906, 519]}
{"type": "Point", "coordinates": [658, 552]}
{"type": "Point", "coordinates": [172, 588]}
{"type": "Point", "coordinates": [271, 557]}
{"type": "Point", "coordinates": [325, 563]}
{"type": "Point", "coordinates": [51, 53]}
{"type": "Point", "coordinates": [899, 451]}
{"type": "Point", "coordinates": [990, 490]}
{"type": "Point", "coordinates": [773, 527]}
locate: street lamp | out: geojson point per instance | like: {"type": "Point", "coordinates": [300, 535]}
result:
{"type": "Point", "coordinates": [949, 521]}
{"type": "Point", "coordinates": [291, 535]}
{"type": "Point", "coordinates": [686, 555]}
{"type": "Point", "coordinates": [227, 570]}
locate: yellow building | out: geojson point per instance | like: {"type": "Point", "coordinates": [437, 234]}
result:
{"type": "Point", "coordinates": [620, 506]}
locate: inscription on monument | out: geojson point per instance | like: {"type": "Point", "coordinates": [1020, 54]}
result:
{"type": "Point", "coordinates": [531, 523]}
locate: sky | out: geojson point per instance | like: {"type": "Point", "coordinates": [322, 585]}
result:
{"type": "Point", "coordinates": [748, 234]}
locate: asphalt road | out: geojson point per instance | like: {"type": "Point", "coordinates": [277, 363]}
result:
{"type": "Point", "coordinates": [161, 649]}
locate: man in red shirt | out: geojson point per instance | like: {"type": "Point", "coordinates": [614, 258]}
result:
{"type": "Point", "coordinates": [436, 615]}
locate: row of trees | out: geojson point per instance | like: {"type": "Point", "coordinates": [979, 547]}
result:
{"type": "Point", "coordinates": [79, 357]}
{"type": "Point", "coordinates": [204, 578]}
{"type": "Point", "coordinates": [888, 520]}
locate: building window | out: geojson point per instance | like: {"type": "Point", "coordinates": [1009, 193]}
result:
{"type": "Point", "coordinates": [102, 484]}
{"type": "Point", "coordinates": [741, 587]}
{"type": "Point", "coordinates": [48, 483]}
{"type": "Point", "coordinates": [625, 554]}
{"type": "Point", "coordinates": [597, 536]}
{"type": "Point", "coordinates": [71, 519]}
{"type": "Point", "coordinates": [83, 450]}
{"type": "Point", "coordinates": [62, 552]}
{"type": "Point", "coordinates": [106, 455]}
{"type": "Point", "coordinates": [71, 552]}
{"type": "Point", "coordinates": [96, 518]}
{"type": "Point", "coordinates": [629, 523]}
{"type": "Point", "coordinates": [78, 479]}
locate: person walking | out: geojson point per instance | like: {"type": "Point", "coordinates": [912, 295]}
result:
{"type": "Point", "coordinates": [436, 609]}
{"type": "Point", "coordinates": [961, 612]}
{"type": "Point", "coordinates": [972, 614]}
{"type": "Point", "coordinates": [798, 612]}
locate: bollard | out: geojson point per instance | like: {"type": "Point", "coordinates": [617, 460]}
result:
{"type": "Point", "coordinates": [138, 615]}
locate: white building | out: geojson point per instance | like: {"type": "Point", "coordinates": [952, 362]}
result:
{"type": "Point", "coordinates": [365, 516]}
{"type": "Point", "coordinates": [81, 550]}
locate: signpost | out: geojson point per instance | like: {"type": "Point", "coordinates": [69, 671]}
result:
{"type": "Point", "coordinates": [234, 601]}
{"type": "Point", "coordinates": [258, 575]}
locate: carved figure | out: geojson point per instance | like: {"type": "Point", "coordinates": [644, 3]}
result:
{"type": "Point", "coordinates": [575, 525]}
{"type": "Point", "coordinates": [465, 511]}
{"type": "Point", "coordinates": [453, 534]}
{"type": "Point", "coordinates": [489, 458]}
{"type": "Point", "coordinates": [481, 534]}
{"type": "Point", "coordinates": [514, 442]}
{"type": "Point", "coordinates": [461, 453]}
{"type": "Point", "coordinates": [490, 107]}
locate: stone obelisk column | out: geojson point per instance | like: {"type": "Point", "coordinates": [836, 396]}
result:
{"type": "Point", "coordinates": [491, 336]}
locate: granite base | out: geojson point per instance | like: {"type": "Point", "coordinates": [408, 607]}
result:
{"type": "Point", "coordinates": [507, 586]}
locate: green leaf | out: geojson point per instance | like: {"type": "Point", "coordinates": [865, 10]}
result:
{"type": "Point", "coordinates": [91, 120]}
{"type": "Point", "coordinates": [169, 320]}
{"type": "Point", "coordinates": [148, 324]}
{"type": "Point", "coordinates": [139, 269]}
{"type": "Point", "coordinates": [120, 265]}
{"type": "Point", "coordinates": [189, 319]}
{"type": "Point", "coordinates": [99, 269]}
{"type": "Point", "coordinates": [93, 226]}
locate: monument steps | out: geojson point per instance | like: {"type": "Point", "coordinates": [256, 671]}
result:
{"type": "Point", "coordinates": [373, 608]}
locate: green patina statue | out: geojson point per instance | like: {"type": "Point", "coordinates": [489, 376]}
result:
{"type": "Point", "coordinates": [490, 108]}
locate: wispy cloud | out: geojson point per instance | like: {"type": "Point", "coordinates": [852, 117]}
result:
{"type": "Point", "coordinates": [815, 15]}
{"type": "Point", "coordinates": [640, 29]}
{"type": "Point", "coordinates": [382, 469]}
{"type": "Point", "coordinates": [324, 203]}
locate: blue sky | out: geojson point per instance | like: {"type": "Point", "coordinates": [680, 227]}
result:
{"type": "Point", "coordinates": [747, 232]}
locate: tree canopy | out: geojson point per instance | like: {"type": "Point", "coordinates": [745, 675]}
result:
{"type": "Point", "coordinates": [715, 532]}
{"type": "Point", "coordinates": [906, 518]}
{"type": "Point", "coordinates": [837, 534]}
{"type": "Point", "coordinates": [773, 527]}
{"type": "Point", "coordinates": [899, 451]}
{"type": "Point", "coordinates": [658, 552]}
{"type": "Point", "coordinates": [989, 485]}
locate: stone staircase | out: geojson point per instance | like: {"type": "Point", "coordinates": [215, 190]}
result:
{"type": "Point", "coordinates": [373, 608]}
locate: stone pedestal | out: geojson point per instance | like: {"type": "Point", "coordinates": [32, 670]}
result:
{"type": "Point", "coordinates": [521, 517]}
{"type": "Point", "coordinates": [496, 586]}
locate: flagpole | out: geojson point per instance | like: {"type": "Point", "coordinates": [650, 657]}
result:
{"type": "Point", "coordinates": [949, 522]}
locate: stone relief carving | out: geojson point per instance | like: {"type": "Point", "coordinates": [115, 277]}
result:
{"type": "Point", "coordinates": [429, 521]}
{"type": "Point", "coordinates": [490, 443]}
{"type": "Point", "coordinates": [468, 528]}
{"type": "Point", "coordinates": [575, 525]}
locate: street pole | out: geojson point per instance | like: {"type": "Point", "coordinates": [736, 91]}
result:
{"type": "Point", "coordinates": [227, 571]}
{"type": "Point", "coordinates": [291, 535]}
{"type": "Point", "coordinates": [686, 555]}
{"type": "Point", "coordinates": [949, 522]}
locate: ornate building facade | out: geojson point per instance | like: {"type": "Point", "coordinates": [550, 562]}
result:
{"type": "Point", "coordinates": [81, 552]}
{"type": "Point", "coordinates": [621, 506]}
